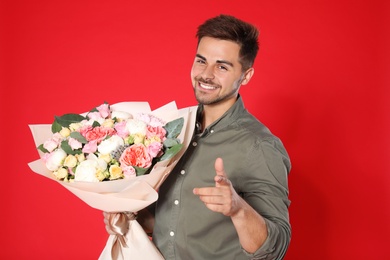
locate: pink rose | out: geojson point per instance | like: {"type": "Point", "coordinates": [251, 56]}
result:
{"type": "Point", "coordinates": [128, 171]}
{"type": "Point", "coordinates": [121, 129]}
{"type": "Point", "coordinates": [53, 143]}
{"type": "Point", "coordinates": [136, 155]}
{"type": "Point", "coordinates": [94, 115]}
{"type": "Point", "coordinates": [154, 149]}
{"type": "Point", "coordinates": [50, 145]}
{"type": "Point", "coordinates": [74, 144]}
{"type": "Point", "coordinates": [98, 133]}
{"type": "Point", "coordinates": [90, 147]}
{"type": "Point", "coordinates": [104, 110]}
{"type": "Point", "coordinates": [158, 131]}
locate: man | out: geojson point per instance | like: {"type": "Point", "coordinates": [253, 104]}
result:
{"type": "Point", "coordinates": [227, 197]}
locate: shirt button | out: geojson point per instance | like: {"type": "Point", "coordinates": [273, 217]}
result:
{"type": "Point", "coordinates": [194, 144]}
{"type": "Point", "coordinates": [176, 202]}
{"type": "Point", "coordinates": [212, 131]}
{"type": "Point", "coordinates": [182, 172]}
{"type": "Point", "coordinates": [171, 233]}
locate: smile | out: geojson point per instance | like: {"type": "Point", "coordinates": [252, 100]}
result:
{"type": "Point", "coordinates": [206, 86]}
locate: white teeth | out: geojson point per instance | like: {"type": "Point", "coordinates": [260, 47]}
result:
{"type": "Point", "coordinates": [206, 86]}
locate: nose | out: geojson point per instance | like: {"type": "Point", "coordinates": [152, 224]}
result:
{"type": "Point", "coordinates": [208, 73]}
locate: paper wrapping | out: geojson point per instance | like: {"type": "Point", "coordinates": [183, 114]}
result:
{"type": "Point", "coordinates": [126, 195]}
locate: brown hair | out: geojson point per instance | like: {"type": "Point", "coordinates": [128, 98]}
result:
{"type": "Point", "coordinates": [227, 27]}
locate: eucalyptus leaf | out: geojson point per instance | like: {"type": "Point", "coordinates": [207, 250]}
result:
{"type": "Point", "coordinates": [55, 127]}
{"type": "Point", "coordinates": [170, 142]}
{"type": "Point", "coordinates": [68, 119]}
{"type": "Point", "coordinates": [140, 171]}
{"type": "Point", "coordinates": [78, 137]}
{"type": "Point", "coordinates": [95, 124]}
{"type": "Point", "coordinates": [169, 153]}
{"type": "Point", "coordinates": [174, 127]}
{"type": "Point", "coordinates": [40, 147]}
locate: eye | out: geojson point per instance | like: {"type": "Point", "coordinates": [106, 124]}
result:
{"type": "Point", "coordinates": [200, 61]}
{"type": "Point", "coordinates": [221, 67]}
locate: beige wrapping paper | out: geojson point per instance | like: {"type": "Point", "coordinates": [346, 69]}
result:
{"type": "Point", "coordinates": [127, 195]}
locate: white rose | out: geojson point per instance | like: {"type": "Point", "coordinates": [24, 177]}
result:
{"type": "Point", "coordinates": [135, 126]}
{"type": "Point", "coordinates": [121, 115]}
{"type": "Point", "coordinates": [110, 144]}
{"type": "Point", "coordinates": [55, 159]}
{"type": "Point", "coordinates": [88, 169]}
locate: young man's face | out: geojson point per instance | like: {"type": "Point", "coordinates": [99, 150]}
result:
{"type": "Point", "coordinates": [217, 73]}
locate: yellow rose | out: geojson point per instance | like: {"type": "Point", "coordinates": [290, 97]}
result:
{"type": "Point", "coordinates": [152, 140]}
{"type": "Point", "coordinates": [101, 175]}
{"type": "Point", "coordinates": [108, 123]}
{"type": "Point", "coordinates": [106, 157]}
{"type": "Point", "coordinates": [74, 126]}
{"type": "Point", "coordinates": [70, 161]}
{"type": "Point", "coordinates": [61, 173]}
{"type": "Point", "coordinates": [138, 138]}
{"type": "Point", "coordinates": [80, 157]}
{"type": "Point", "coordinates": [65, 132]}
{"type": "Point", "coordinates": [115, 172]}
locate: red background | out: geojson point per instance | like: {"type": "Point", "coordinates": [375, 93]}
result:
{"type": "Point", "coordinates": [321, 84]}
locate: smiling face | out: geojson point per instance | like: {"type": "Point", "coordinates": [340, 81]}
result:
{"type": "Point", "coordinates": [217, 73]}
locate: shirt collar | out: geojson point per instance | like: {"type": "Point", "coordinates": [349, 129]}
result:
{"type": "Point", "coordinates": [229, 117]}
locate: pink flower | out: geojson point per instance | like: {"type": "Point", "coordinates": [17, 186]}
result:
{"type": "Point", "coordinates": [154, 149]}
{"type": "Point", "coordinates": [98, 133]}
{"type": "Point", "coordinates": [53, 143]}
{"type": "Point", "coordinates": [104, 110]}
{"type": "Point", "coordinates": [121, 129]}
{"type": "Point", "coordinates": [90, 147]}
{"type": "Point", "coordinates": [158, 131]}
{"type": "Point", "coordinates": [128, 171]}
{"type": "Point", "coordinates": [150, 119]}
{"type": "Point", "coordinates": [74, 144]}
{"type": "Point", "coordinates": [136, 155]}
{"type": "Point", "coordinates": [95, 116]}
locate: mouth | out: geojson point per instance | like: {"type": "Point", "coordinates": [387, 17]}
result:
{"type": "Point", "coordinates": [206, 86]}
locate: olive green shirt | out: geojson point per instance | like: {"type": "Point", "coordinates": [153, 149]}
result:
{"type": "Point", "coordinates": [256, 163]}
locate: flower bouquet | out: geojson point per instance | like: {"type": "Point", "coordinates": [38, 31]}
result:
{"type": "Point", "coordinates": [114, 158]}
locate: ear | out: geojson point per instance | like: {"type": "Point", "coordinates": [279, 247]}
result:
{"type": "Point", "coordinates": [247, 76]}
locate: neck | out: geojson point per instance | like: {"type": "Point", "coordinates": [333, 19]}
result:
{"type": "Point", "coordinates": [214, 111]}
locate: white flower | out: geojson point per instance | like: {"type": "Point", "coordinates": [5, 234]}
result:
{"type": "Point", "coordinates": [55, 159]}
{"type": "Point", "coordinates": [121, 115]}
{"type": "Point", "coordinates": [135, 126]}
{"type": "Point", "coordinates": [110, 144]}
{"type": "Point", "coordinates": [89, 169]}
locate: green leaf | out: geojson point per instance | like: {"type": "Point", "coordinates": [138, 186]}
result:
{"type": "Point", "coordinates": [40, 147]}
{"type": "Point", "coordinates": [140, 171]}
{"type": "Point", "coordinates": [66, 147]}
{"type": "Point", "coordinates": [170, 142]}
{"type": "Point", "coordinates": [78, 137]}
{"type": "Point", "coordinates": [174, 127]}
{"type": "Point", "coordinates": [95, 124]}
{"type": "Point", "coordinates": [55, 127]}
{"type": "Point", "coordinates": [169, 153]}
{"type": "Point", "coordinates": [68, 119]}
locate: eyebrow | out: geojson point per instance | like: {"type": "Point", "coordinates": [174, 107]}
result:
{"type": "Point", "coordinates": [218, 61]}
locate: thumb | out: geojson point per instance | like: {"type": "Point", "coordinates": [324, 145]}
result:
{"type": "Point", "coordinates": [221, 178]}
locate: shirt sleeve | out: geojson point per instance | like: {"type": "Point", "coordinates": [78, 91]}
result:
{"type": "Point", "coordinates": [263, 185]}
